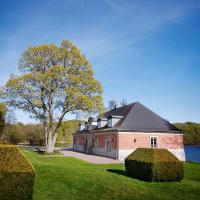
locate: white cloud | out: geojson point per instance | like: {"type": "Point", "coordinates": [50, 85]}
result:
{"type": "Point", "coordinates": [128, 23]}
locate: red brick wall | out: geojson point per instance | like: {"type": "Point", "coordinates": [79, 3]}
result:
{"type": "Point", "coordinates": [102, 136]}
{"type": "Point", "coordinates": [114, 141]}
{"type": "Point", "coordinates": [101, 139]}
{"type": "Point", "coordinates": [79, 139]}
{"type": "Point", "coordinates": [142, 140]}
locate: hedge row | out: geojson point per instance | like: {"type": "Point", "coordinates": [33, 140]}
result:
{"type": "Point", "coordinates": [154, 165]}
{"type": "Point", "coordinates": [16, 174]}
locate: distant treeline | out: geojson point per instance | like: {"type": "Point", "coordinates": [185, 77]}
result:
{"type": "Point", "coordinates": [191, 132]}
{"type": "Point", "coordinates": [33, 133]}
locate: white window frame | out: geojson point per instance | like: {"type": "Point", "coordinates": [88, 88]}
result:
{"type": "Point", "coordinates": [157, 143]}
{"type": "Point", "coordinates": [77, 140]}
{"type": "Point", "coordinates": [97, 142]}
{"type": "Point", "coordinates": [108, 145]}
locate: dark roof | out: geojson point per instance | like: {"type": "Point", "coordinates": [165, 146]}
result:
{"type": "Point", "coordinates": [137, 117]}
{"type": "Point", "coordinates": [121, 111]}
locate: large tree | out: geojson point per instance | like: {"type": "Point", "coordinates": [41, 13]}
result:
{"type": "Point", "coordinates": [54, 81]}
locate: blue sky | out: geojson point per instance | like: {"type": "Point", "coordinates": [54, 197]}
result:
{"type": "Point", "coordinates": [140, 50]}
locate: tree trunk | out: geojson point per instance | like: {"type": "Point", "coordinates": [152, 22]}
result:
{"type": "Point", "coordinates": [52, 135]}
{"type": "Point", "coordinates": [49, 142]}
{"type": "Point", "coordinates": [45, 134]}
{"type": "Point", "coordinates": [49, 148]}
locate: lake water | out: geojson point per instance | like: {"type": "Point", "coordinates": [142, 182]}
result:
{"type": "Point", "coordinates": [192, 153]}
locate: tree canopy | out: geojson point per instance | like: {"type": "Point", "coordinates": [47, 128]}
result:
{"type": "Point", "coordinates": [54, 81]}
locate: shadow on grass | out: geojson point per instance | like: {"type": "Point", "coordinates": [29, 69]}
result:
{"type": "Point", "coordinates": [118, 171]}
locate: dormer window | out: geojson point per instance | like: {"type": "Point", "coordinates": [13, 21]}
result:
{"type": "Point", "coordinates": [112, 120]}
{"type": "Point", "coordinates": [92, 122]}
{"type": "Point", "coordinates": [101, 122]}
{"type": "Point", "coordinates": [81, 126]}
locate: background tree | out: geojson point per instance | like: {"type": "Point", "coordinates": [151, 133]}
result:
{"type": "Point", "coordinates": [2, 118]}
{"type": "Point", "coordinates": [34, 134]}
{"type": "Point", "coordinates": [54, 81]}
{"type": "Point", "coordinates": [191, 132]}
{"type": "Point", "coordinates": [111, 104]}
{"type": "Point", "coordinates": [66, 131]}
{"type": "Point", "coordinates": [123, 102]}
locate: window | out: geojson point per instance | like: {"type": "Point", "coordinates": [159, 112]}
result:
{"type": "Point", "coordinates": [77, 140]}
{"type": "Point", "coordinates": [108, 146]}
{"type": "Point", "coordinates": [88, 142]}
{"type": "Point", "coordinates": [154, 142]}
{"type": "Point", "coordinates": [97, 142]}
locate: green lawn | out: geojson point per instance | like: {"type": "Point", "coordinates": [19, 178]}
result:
{"type": "Point", "coordinates": [60, 178]}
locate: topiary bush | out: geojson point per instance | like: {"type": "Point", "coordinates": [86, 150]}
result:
{"type": "Point", "coordinates": [154, 164]}
{"type": "Point", "coordinates": [3, 142]}
{"type": "Point", "coordinates": [16, 174]}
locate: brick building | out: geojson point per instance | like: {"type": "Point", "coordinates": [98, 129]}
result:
{"type": "Point", "coordinates": [122, 130]}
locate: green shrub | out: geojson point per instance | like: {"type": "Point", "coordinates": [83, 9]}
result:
{"type": "Point", "coordinates": [154, 165]}
{"type": "Point", "coordinates": [3, 142]}
{"type": "Point", "coordinates": [16, 174]}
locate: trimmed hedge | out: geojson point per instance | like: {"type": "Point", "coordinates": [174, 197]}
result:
{"type": "Point", "coordinates": [16, 174]}
{"type": "Point", "coordinates": [153, 164]}
{"type": "Point", "coordinates": [3, 142]}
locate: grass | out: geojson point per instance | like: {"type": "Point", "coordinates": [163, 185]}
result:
{"type": "Point", "coordinates": [67, 178]}
{"type": "Point", "coordinates": [51, 154]}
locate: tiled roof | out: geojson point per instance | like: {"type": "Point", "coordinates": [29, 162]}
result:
{"type": "Point", "coordinates": [137, 117]}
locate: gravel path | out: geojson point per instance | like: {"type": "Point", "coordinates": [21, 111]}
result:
{"type": "Point", "coordinates": [90, 158]}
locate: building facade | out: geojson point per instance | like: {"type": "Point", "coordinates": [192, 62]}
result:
{"type": "Point", "coordinates": [122, 130]}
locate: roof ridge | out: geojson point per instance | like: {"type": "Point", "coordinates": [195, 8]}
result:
{"type": "Point", "coordinates": [116, 110]}
{"type": "Point", "coordinates": [123, 106]}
